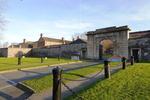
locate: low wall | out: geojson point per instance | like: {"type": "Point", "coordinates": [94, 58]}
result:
{"type": "Point", "coordinates": [14, 52]}
{"type": "Point", "coordinates": [3, 52]}
{"type": "Point", "coordinates": [63, 50]}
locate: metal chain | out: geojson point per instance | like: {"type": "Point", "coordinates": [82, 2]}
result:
{"type": "Point", "coordinates": [73, 93]}
{"type": "Point", "coordinates": [85, 78]}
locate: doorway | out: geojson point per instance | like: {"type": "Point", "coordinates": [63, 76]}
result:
{"type": "Point", "coordinates": [100, 52]}
{"type": "Point", "coordinates": [135, 53]}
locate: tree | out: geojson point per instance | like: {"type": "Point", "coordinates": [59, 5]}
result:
{"type": "Point", "coordinates": [2, 20]}
{"type": "Point", "coordinates": [5, 44]}
{"type": "Point", "coordinates": [80, 35]}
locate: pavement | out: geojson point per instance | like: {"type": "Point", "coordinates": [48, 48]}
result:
{"type": "Point", "coordinates": [8, 80]}
{"type": "Point", "coordinates": [74, 85]}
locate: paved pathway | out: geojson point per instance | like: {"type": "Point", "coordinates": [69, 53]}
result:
{"type": "Point", "coordinates": [7, 80]}
{"type": "Point", "coordinates": [75, 86]}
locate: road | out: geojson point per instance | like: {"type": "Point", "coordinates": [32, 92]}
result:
{"type": "Point", "coordinates": [8, 90]}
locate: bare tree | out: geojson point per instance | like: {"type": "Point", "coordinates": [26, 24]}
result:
{"type": "Point", "coordinates": [5, 44]}
{"type": "Point", "coordinates": [80, 35]}
{"type": "Point", "coordinates": [2, 20]}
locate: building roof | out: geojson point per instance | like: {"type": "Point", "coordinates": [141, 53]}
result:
{"type": "Point", "coordinates": [108, 30]}
{"type": "Point", "coordinates": [140, 34]}
{"type": "Point", "coordinates": [54, 39]}
{"type": "Point", "coordinates": [78, 41]}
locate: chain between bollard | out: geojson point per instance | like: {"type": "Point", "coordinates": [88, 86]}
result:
{"type": "Point", "coordinates": [84, 77]}
{"type": "Point", "coordinates": [73, 93]}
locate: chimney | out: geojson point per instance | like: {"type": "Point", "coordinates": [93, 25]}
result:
{"type": "Point", "coordinates": [72, 39]}
{"type": "Point", "coordinates": [41, 35]}
{"type": "Point", "coordinates": [12, 46]}
{"type": "Point", "coordinates": [20, 46]}
{"type": "Point", "coordinates": [62, 40]}
{"type": "Point", "coordinates": [24, 40]}
{"type": "Point", "coordinates": [78, 37]}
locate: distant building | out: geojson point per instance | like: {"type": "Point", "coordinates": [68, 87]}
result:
{"type": "Point", "coordinates": [46, 41]}
{"type": "Point", "coordinates": [139, 45]}
{"type": "Point", "coordinates": [43, 42]}
{"type": "Point", "coordinates": [124, 43]}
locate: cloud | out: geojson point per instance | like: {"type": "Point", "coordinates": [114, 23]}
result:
{"type": "Point", "coordinates": [72, 25]}
{"type": "Point", "coordinates": [18, 29]}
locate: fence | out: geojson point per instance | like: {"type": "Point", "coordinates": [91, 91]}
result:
{"type": "Point", "coordinates": [58, 80]}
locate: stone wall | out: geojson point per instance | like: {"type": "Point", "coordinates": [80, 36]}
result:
{"type": "Point", "coordinates": [63, 50]}
{"type": "Point", "coordinates": [118, 35]}
{"type": "Point", "coordinates": [143, 44]}
{"type": "Point", "coordinates": [14, 52]}
{"type": "Point", "coordinates": [3, 52]}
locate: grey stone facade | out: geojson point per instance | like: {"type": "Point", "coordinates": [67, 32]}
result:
{"type": "Point", "coordinates": [139, 45]}
{"type": "Point", "coordinates": [14, 52]}
{"type": "Point", "coordinates": [124, 44]}
{"type": "Point", "coordinates": [63, 51]}
{"type": "Point", "coordinates": [118, 35]}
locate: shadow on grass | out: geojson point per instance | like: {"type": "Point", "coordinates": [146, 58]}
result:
{"type": "Point", "coordinates": [9, 63]}
{"type": "Point", "coordinates": [86, 85]}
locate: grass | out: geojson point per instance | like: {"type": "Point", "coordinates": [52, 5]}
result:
{"type": "Point", "coordinates": [11, 63]}
{"type": "Point", "coordinates": [130, 84]}
{"type": "Point", "coordinates": [43, 83]}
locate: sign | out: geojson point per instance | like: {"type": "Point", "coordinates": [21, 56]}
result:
{"type": "Point", "coordinates": [75, 58]}
{"type": "Point", "coordinates": [115, 58]}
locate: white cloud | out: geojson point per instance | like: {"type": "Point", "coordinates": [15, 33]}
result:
{"type": "Point", "coordinates": [19, 29]}
{"type": "Point", "coordinates": [72, 25]}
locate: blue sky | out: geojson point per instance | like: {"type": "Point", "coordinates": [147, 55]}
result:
{"type": "Point", "coordinates": [63, 18]}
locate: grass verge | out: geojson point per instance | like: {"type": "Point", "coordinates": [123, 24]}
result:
{"type": "Point", "coordinates": [43, 83]}
{"type": "Point", "coordinates": [130, 84]}
{"type": "Point", "coordinates": [11, 63]}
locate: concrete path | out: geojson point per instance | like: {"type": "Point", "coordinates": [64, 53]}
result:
{"type": "Point", "coordinates": [74, 85]}
{"type": "Point", "coordinates": [8, 91]}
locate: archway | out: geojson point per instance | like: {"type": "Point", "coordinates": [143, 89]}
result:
{"type": "Point", "coordinates": [106, 48]}
{"type": "Point", "coordinates": [116, 37]}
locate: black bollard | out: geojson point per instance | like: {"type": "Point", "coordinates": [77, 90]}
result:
{"type": "Point", "coordinates": [106, 69]}
{"type": "Point", "coordinates": [59, 58]}
{"type": "Point", "coordinates": [42, 60]}
{"type": "Point", "coordinates": [57, 83]}
{"type": "Point", "coordinates": [132, 60]}
{"type": "Point", "coordinates": [19, 60]}
{"type": "Point", "coordinates": [123, 63]}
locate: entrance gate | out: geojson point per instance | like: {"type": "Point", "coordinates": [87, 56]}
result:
{"type": "Point", "coordinates": [118, 35]}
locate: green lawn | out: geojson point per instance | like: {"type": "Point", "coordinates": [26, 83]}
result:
{"type": "Point", "coordinates": [11, 63]}
{"type": "Point", "coordinates": [43, 83]}
{"type": "Point", "coordinates": [130, 84]}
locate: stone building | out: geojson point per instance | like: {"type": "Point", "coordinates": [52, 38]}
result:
{"type": "Point", "coordinates": [118, 35]}
{"type": "Point", "coordinates": [139, 45]}
{"type": "Point", "coordinates": [65, 50]}
{"type": "Point", "coordinates": [124, 43]}
{"type": "Point", "coordinates": [28, 44]}
{"type": "Point", "coordinates": [43, 42]}
{"type": "Point", "coordinates": [101, 43]}
{"type": "Point", "coordinates": [46, 42]}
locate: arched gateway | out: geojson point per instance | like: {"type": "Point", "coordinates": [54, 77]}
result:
{"type": "Point", "coordinates": [118, 35]}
